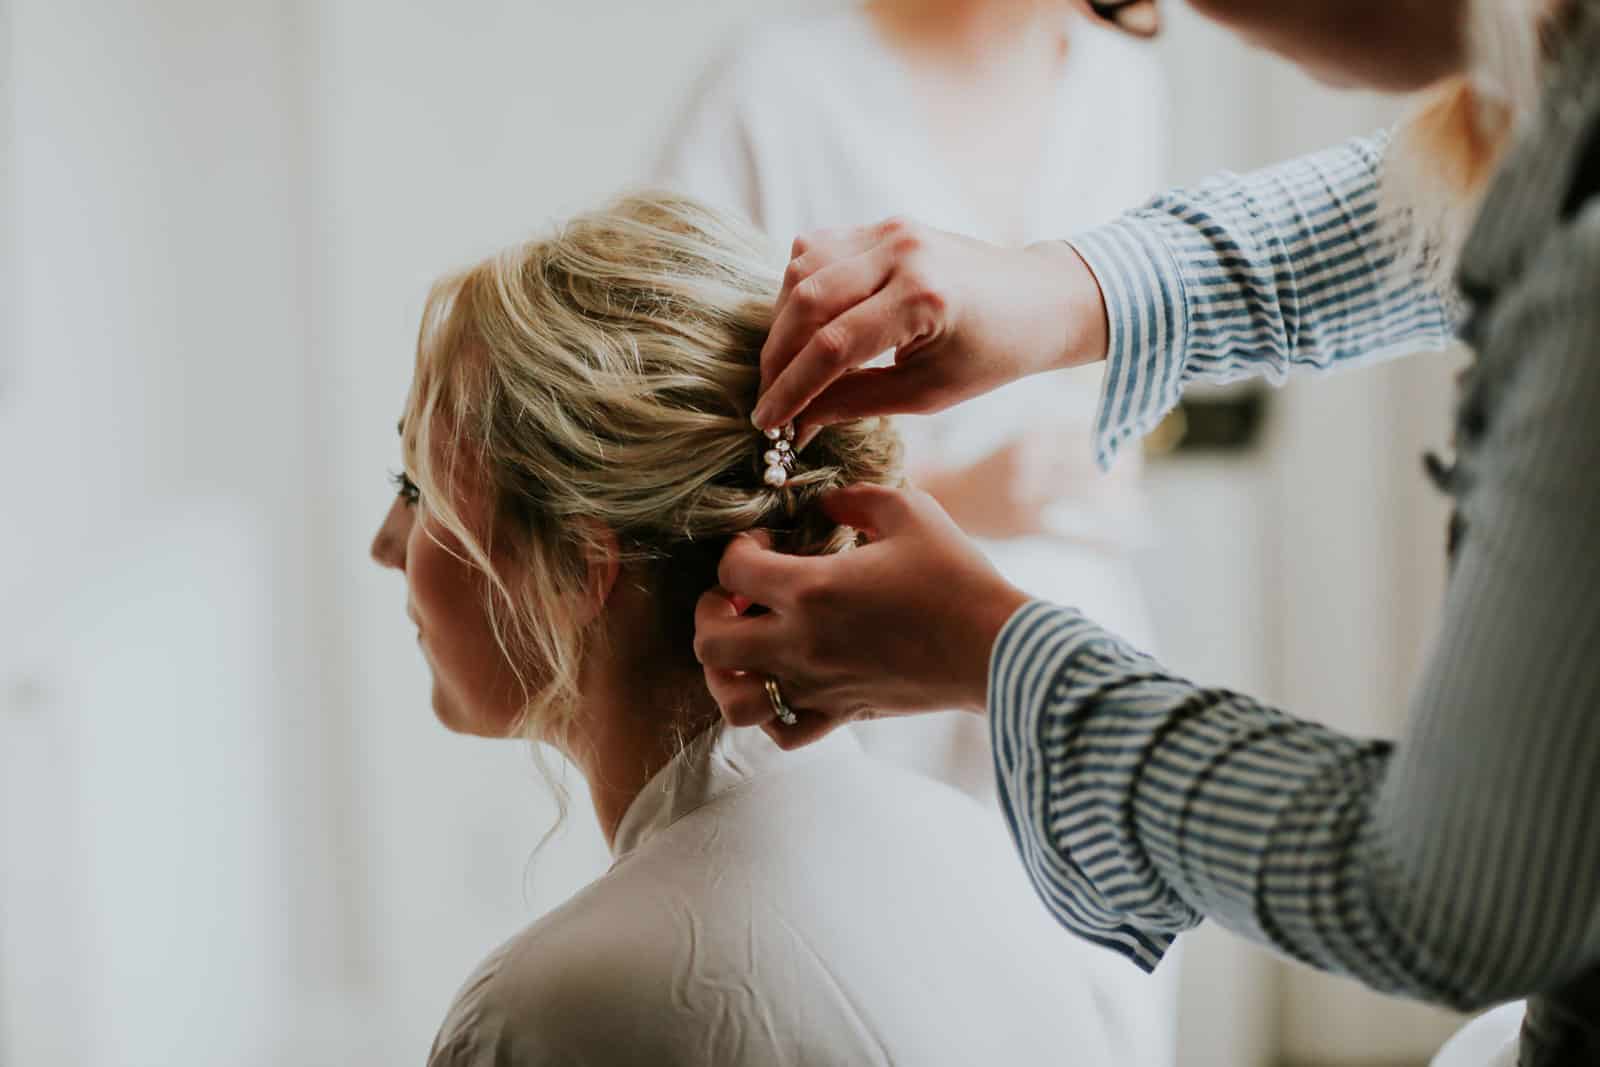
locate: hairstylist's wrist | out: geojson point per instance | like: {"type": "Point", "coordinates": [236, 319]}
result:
{"type": "Point", "coordinates": [1083, 326]}
{"type": "Point", "coordinates": [987, 616]}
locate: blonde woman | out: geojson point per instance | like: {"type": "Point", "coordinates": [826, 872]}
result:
{"type": "Point", "coordinates": [578, 450]}
{"type": "Point", "coordinates": [1458, 863]}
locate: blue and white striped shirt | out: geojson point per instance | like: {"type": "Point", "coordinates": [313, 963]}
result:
{"type": "Point", "coordinates": [1290, 268]}
{"type": "Point", "coordinates": [1459, 864]}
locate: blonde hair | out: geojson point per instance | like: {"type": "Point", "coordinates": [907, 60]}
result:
{"type": "Point", "coordinates": [1446, 150]}
{"type": "Point", "coordinates": [598, 383]}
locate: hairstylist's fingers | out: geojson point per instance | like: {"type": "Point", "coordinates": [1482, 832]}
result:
{"type": "Point", "coordinates": [761, 539]}
{"type": "Point", "coordinates": [895, 238]}
{"type": "Point", "coordinates": [741, 696]}
{"type": "Point", "coordinates": [876, 510]}
{"type": "Point", "coordinates": [810, 252]}
{"type": "Point", "coordinates": [809, 255]}
{"type": "Point", "coordinates": [885, 320]}
{"type": "Point", "coordinates": [812, 727]}
{"type": "Point", "coordinates": [717, 605]}
{"type": "Point", "coordinates": [731, 642]}
{"type": "Point", "coordinates": [910, 387]}
{"type": "Point", "coordinates": [754, 571]}
{"type": "Point", "coordinates": [818, 298]}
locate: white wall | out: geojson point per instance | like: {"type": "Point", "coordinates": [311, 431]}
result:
{"type": "Point", "coordinates": [151, 639]}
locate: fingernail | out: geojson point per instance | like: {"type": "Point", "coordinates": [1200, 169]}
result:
{"type": "Point", "coordinates": [758, 417]}
{"type": "Point", "coordinates": [806, 437]}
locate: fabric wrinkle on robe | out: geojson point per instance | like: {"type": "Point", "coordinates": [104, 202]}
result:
{"type": "Point", "coordinates": [787, 908]}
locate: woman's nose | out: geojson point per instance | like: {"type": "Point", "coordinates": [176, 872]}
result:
{"type": "Point", "coordinates": [389, 545]}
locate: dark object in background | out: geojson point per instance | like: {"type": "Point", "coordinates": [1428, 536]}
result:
{"type": "Point", "coordinates": [1227, 420]}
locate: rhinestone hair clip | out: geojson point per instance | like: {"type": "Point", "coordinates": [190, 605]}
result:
{"type": "Point", "coordinates": [779, 455]}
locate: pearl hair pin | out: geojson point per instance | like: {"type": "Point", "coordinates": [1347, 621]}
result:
{"type": "Point", "coordinates": [779, 455]}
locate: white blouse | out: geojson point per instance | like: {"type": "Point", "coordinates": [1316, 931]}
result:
{"type": "Point", "coordinates": [768, 908]}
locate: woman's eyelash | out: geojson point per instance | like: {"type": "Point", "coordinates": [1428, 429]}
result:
{"type": "Point", "coordinates": [405, 487]}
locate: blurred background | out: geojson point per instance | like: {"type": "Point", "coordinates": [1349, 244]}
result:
{"type": "Point", "coordinates": [232, 830]}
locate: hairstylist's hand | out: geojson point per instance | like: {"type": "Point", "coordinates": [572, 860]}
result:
{"type": "Point", "coordinates": [964, 317]}
{"type": "Point", "coordinates": [904, 623]}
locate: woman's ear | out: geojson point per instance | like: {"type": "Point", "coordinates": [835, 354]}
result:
{"type": "Point", "coordinates": [602, 555]}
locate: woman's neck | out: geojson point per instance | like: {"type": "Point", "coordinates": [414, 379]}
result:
{"type": "Point", "coordinates": [620, 745]}
{"type": "Point", "coordinates": [640, 706]}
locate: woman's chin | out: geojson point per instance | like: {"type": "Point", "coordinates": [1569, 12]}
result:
{"type": "Point", "coordinates": [454, 716]}
{"type": "Point", "coordinates": [450, 713]}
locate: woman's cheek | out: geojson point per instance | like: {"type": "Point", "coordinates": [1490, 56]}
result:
{"type": "Point", "coordinates": [440, 583]}
{"type": "Point", "coordinates": [450, 599]}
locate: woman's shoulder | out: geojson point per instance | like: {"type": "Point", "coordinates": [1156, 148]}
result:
{"type": "Point", "coordinates": [592, 980]}
{"type": "Point", "coordinates": [637, 967]}
{"type": "Point", "coordinates": [568, 989]}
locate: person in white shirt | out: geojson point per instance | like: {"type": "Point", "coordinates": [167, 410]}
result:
{"type": "Point", "coordinates": [578, 452]}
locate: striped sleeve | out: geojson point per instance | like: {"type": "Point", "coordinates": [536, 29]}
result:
{"type": "Point", "coordinates": [1141, 803]}
{"type": "Point", "coordinates": [1288, 268]}
{"type": "Point", "coordinates": [1458, 864]}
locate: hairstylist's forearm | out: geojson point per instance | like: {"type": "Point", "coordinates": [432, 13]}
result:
{"type": "Point", "coordinates": [1084, 327]}
{"type": "Point", "coordinates": [985, 622]}
{"type": "Point", "coordinates": [963, 317]}
{"type": "Point", "coordinates": [1196, 289]}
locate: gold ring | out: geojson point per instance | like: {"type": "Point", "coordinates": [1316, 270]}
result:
{"type": "Point", "coordinates": [784, 713]}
